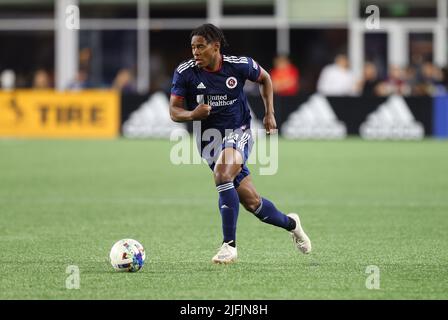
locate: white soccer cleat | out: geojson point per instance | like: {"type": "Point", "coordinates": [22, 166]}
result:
{"type": "Point", "coordinates": [226, 254]}
{"type": "Point", "coordinates": [299, 237]}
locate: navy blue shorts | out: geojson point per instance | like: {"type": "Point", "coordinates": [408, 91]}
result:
{"type": "Point", "coordinates": [242, 141]}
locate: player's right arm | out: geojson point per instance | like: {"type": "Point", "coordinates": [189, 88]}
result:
{"type": "Point", "coordinates": [179, 90]}
{"type": "Point", "coordinates": [179, 114]}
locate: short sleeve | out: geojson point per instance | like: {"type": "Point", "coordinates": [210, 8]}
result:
{"type": "Point", "coordinates": [178, 86]}
{"type": "Point", "coordinates": [254, 70]}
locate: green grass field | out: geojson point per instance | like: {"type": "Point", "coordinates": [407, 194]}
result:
{"type": "Point", "coordinates": [65, 202]}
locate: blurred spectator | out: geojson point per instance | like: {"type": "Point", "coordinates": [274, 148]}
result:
{"type": "Point", "coordinates": [336, 79]}
{"type": "Point", "coordinates": [395, 83]}
{"type": "Point", "coordinates": [41, 80]}
{"type": "Point", "coordinates": [368, 86]}
{"type": "Point", "coordinates": [285, 77]}
{"type": "Point", "coordinates": [85, 58]}
{"type": "Point", "coordinates": [160, 78]}
{"type": "Point", "coordinates": [412, 75]}
{"type": "Point", "coordinates": [432, 78]}
{"type": "Point", "coordinates": [8, 79]}
{"type": "Point", "coordinates": [81, 81]}
{"type": "Point", "coordinates": [124, 81]}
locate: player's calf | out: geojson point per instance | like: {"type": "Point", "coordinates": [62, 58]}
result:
{"type": "Point", "coordinates": [268, 213]}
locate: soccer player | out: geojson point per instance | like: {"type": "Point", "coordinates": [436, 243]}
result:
{"type": "Point", "coordinates": [209, 88]}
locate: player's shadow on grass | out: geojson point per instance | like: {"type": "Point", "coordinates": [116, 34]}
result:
{"type": "Point", "coordinates": [206, 266]}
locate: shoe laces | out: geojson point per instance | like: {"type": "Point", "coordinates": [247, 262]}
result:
{"type": "Point", "coordinates": [299, 241]}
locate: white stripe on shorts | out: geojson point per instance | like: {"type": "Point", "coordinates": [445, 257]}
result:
{"type": "Point", "coordinates": [243, 141]}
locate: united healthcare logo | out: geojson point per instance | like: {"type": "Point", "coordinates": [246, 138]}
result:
{"type": "Point", "coordinates": [215, 100]}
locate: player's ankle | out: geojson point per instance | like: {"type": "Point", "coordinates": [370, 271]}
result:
{"type": "Point", "coordinates": [231, 243]}
{"type": "Point", "coordinates": [291, 224]}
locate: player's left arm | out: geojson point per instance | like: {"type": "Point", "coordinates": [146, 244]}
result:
{"type": "Point", "coordinates": [267, 93]}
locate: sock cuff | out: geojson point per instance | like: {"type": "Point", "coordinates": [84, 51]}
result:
{"type": "Point", "coordinates": [225, 186]}
{"type": "Point", "coordinates": [259, 208]}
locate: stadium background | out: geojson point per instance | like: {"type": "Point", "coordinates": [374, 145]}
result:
{"type": "Point", "coordinates": [82, 195]}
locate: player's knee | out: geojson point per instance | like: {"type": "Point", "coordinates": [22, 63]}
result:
{"type": "Point", "coordinates": [222, 177]}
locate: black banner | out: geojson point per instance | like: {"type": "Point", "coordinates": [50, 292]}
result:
{"type": "Point", "coordinates": [352, 111]}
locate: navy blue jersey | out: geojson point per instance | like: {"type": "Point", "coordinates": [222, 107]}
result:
{"type": "Point", "coordinates": [222, 90]}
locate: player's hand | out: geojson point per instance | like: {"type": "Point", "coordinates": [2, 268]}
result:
{"type": "Point", "coordinates": [201, 112]}
{"type": "Point", "coordinates": [269, 123]}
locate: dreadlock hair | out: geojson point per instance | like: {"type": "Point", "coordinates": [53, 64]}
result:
{"type": "Point", "coordinates": [211, 33]}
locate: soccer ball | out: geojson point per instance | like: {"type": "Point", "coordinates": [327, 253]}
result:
{"type": "Point", "coordinates": [127, 255]}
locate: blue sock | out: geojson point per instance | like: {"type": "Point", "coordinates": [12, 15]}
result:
{"type": "Point", "coordinates": [268, 213]}
{"type": "Point", "coordinates": [229, 205]}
